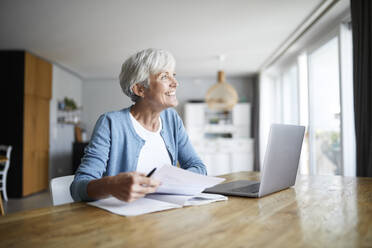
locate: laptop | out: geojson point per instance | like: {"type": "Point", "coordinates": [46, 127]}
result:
{"type": "Point", "coordinates": [279, 168]}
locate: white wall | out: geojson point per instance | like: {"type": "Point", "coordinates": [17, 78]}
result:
{"type": "Point", "coordinates": [64, 84]}
{"type": "Point", "coordinates": [100, 96]}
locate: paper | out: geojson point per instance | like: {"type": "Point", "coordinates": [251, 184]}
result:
{"type": "Point", "coordinates": [186, 200]}
{"type": "Point", "coordinates": [179, 188]}
{"type": "Point", "coordinates": [140, 206]}
{"type": "Point", "coordinates": [175, 199]}
{"type": "Point", "coordinates": [178, 181]}
{"type": "Point", "coordinates": [204, 198]}
{"type": "Point", "coordinates": [155, 202]}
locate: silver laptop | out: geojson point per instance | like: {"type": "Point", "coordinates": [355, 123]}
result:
{"type": "Point", "coordinates": [280, 165]}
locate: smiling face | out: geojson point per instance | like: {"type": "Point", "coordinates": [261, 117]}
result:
{"type": "Point", "coordinates": [161, 93]}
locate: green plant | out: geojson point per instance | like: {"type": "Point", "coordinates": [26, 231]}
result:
{"type": "Point", "coordinates": [70, 104]}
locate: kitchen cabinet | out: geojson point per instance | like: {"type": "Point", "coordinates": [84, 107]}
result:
{"type": "Point", "coordinates": [221, 139]}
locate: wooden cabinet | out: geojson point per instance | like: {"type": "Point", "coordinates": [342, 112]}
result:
{"type": "Point", "coordinates": [26, 92]}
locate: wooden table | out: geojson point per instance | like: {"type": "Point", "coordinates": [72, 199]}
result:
{"type": "Point", "coordinates": [321, 211]}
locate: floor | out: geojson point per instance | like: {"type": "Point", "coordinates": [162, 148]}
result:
{"type": "Point", "coordinates": [39, 200]}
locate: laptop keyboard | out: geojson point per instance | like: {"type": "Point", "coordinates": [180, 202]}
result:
{"type": "Point", "coordinates": [252, 188]}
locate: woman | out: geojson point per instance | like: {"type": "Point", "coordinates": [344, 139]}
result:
{"type": "Point", "coordinates": [127, 144]}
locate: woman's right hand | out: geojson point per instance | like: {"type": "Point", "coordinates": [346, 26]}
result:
{"type": "Point", "coordinates": [130, 186]}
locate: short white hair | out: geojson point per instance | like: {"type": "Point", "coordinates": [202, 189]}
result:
{"type": "Point", "coordinates": [139, 67]}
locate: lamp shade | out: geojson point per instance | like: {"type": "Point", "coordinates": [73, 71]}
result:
{"type": "Point", "coordinates": [221, 96]}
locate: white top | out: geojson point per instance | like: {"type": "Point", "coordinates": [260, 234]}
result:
{"type": "Point", "coordinates": [153, 153]}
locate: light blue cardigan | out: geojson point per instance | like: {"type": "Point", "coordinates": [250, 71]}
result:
{"type": "Point", "coordinates": [115, 147]}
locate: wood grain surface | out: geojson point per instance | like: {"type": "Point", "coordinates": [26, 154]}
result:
{"type": "Point", "coordinates": [320, 211]}
{"type": "Point", "coordinates": [37, 95]}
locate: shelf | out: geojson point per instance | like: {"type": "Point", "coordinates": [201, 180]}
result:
{"type": "Point", "coordinates": [221, 139]}
{"type": "Point", "coordinates": [70, 117]}
{"type": "Point", "coordinates": [68, 122]}
{"type": "Point", "coordinates": [217, 117]}
{"type": "Point", "coordinates": [219, 129]}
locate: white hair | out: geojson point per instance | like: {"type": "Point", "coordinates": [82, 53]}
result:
{"type": "Point", "coordinates": [139, 67]}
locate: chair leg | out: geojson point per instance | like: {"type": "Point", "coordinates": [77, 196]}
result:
{"type": "Point", "coordinates": [4, 189]}
{"type": "Point", "coordinates": [4, 192]}
{"type": "Point", "coordinates": [5, 195]}
{"type": "Point", "coordinates": [1, 206]}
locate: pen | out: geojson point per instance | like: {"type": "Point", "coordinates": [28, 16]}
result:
{"type": "Point", "coordinates": [151, 172]}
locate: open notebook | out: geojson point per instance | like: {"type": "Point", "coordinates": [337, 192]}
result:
{"type": "Point", "coordinates": [154, 202]}
{"type": "Point", "coordinates": [179, 188]}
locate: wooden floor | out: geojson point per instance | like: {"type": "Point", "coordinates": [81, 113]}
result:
{"type": "Point", "coordinates": [39, 200]}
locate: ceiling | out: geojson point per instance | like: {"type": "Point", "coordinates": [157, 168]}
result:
{"type": "Point", "coordinates": [92, 38]}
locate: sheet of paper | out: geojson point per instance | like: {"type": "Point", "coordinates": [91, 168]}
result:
{"type": "Point", "coordinates": [140, 206]}
{"type": "Point", "coordinates": [204, 198]}
{"type": "Point", "coordinates": [175, 199]}
{"type": "Point", "coordinates": [178, 189]}
{"type": "Point", "coordinates": [179, 181]}
{"type": "Point", "coordinates": [187, 200]}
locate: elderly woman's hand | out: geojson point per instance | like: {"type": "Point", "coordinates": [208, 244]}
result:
{"type": "Point", "coordinates": [130, 186]}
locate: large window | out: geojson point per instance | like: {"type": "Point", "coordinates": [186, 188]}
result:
{"type": "Point", "coordinates": [324, 109]}
{"type": "Point", "coordinates": [314, 89]}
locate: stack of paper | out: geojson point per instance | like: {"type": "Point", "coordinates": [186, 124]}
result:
{"type": "Point", "coordinates": [179, 188]}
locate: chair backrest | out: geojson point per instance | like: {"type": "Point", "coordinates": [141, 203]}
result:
{"type": "Point", "coordinates": [6, 150]}
{"type": "Point", "coordinates": [60, 190]}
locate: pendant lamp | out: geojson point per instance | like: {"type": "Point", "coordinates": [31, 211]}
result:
{"type": "Point", "coordinates": [221, 96]}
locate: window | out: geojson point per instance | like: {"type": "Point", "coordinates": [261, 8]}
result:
{"type": "Point", "coordinates": [303, 92]}
{"type": "Point", "coordinates": [290, 95]}
{"type": "Point", "coordinates": [315, 90]}
{"type": "Point", "coordinates": [324, 109]}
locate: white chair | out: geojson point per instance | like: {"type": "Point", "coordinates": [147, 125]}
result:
{"type": "Point", "coordinates": [4, 167]}
{"type": "Point", "coordinates": [60, 190]}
